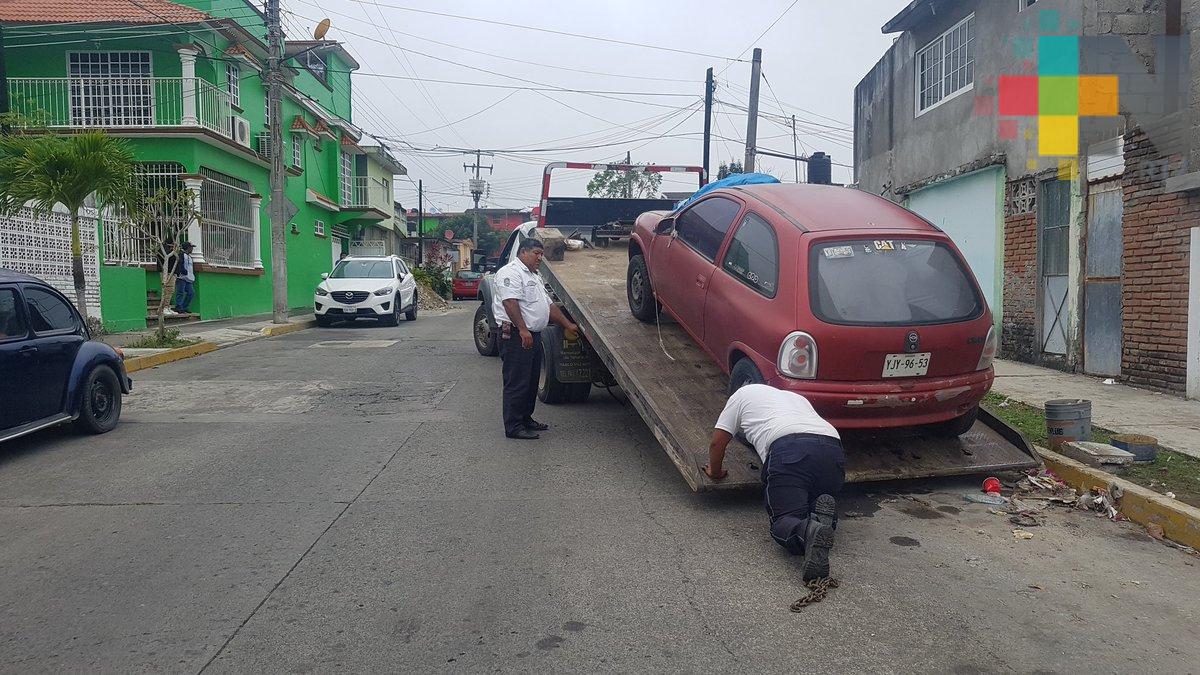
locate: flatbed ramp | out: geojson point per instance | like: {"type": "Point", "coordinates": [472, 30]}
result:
{"type": "Point", "coordinates": [679, 391]}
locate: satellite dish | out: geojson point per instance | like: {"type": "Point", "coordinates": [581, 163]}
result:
{"type": "Point", "coordinates": [321, 30]}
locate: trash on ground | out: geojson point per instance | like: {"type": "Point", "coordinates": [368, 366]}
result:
{"type": "Point", "coordinates": [1170, 495]}
{"type": "Point", "coordinates": [1027, 519]}
{"type": "Point", "coordinates": [1155, 531]}
{"type": "Point", "coordinates": [990, 498]}
{"type": "Point", "coordinates": [1096, 454]}
{"type": "Point", "coordinates": [1022, 534]}
{"type": "Point", "coordinates": [1044, 485]}
{"type": "Point", "coordinates": [1099, 500]}
{"type": "Point", "coordinates": [1110, 381]}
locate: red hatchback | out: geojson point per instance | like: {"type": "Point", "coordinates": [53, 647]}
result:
{"type": "Point", "coordinates": [860, 305]}
{"type": "Point", "coordinates": [466, 285]}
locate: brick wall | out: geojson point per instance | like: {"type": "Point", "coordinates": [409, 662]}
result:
{"type": "Point", "coordinates": [1155, 279]}
{"type": "Point", "coordinates": [1018, 332]}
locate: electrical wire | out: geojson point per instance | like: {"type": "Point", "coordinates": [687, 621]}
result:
{"type": "Point", "coordinates": [760, 35]}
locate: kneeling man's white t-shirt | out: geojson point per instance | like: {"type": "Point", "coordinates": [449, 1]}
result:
{"type": "Point", "coordinates": [764, 414]}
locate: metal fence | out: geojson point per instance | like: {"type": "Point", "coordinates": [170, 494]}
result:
{"type": "Point", "coordinates": [226, 220]}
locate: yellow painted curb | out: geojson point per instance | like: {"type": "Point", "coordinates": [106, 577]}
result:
{"type": "Point", "coordinates": [1180, 522]}
{"type": "Point", "coordinates": [137, 363]}
{"type": "Point", "coordinates": [284, 329]}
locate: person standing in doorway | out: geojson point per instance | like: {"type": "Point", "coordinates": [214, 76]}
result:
{"type": "Point", "coordinates": [185, 278]}
{"type": "Point", "coordinates": [523, 310]}
{"type": "Point", "coordinates": [803, 467]}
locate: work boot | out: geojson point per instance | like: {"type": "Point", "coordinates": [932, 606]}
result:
{"type": "Point", "coordinates": [825, 510]}
{"type": "Point", "coordinates": [523, 434]}
{"type": "Point", "coordinates": [818, 539]}
{"type": "Point", "coordinates": [534, 425]}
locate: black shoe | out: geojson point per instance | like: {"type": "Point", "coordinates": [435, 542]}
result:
{"type": "Point", "coordinates": [825, 510]}
{"type": "Point", "coordinates": [523, 434]}
{"type": "Point", "coordinates": [818, 539]}
{"type": "Point", "coordinates": [534, 425]}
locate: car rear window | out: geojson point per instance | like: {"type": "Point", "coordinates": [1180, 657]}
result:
{"type": "Point", "coordinates": [890, 282]}
{"type": "Point", "coordinates": [469, 276]}
{"type": "Point", "coordinates": [363, 269]}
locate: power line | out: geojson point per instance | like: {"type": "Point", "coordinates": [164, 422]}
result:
{"type": "Point", "coordinates": [760, 36]}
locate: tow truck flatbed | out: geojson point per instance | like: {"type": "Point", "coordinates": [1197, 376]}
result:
{"type": "Point", "coordinates": [679, 391]}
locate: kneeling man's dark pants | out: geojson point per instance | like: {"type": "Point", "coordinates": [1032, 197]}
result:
{"type": "Point", "coordinates": [800, 468]}
{"type": "Point", "coordinates": [522, 370]}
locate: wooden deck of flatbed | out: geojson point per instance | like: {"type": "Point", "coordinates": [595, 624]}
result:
{"type": "Point", "coordinates": [679, 391]}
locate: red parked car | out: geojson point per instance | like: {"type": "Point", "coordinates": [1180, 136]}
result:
{"type": "Point", "coordinates": [466, 284]}
{"type": "Point", "coordinates": [860, 305]}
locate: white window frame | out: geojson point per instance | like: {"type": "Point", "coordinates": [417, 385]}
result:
{"type": "Point", "coordinates": [346, 171]}
{"type": "Point", "coordinates": [83, 95]}
{"type": "Point", "coordinates": [233, 83]}
{"type": "Point", "coordinates": [1023, 5]}
{"type": "Point", "coordinates": [938, 44]}
{"type": "Point", "coordinates": [319, 228]}
{"type": "Point", "coordinates": [297, 151]}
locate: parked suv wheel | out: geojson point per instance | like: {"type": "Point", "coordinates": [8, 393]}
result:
{"type": "Point", "coordinates": [411, 314]}
{"type": "Point", "coordinates": [642, 302]}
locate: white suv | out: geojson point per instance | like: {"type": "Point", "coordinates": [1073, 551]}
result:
{"type": "Point", "coordinates": [380, 288]}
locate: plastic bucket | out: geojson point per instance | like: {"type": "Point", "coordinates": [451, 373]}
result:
{"type": "Point", "coordinates": [1068, 419]}
{"type": "Point", "coordinates": [1143, 448]}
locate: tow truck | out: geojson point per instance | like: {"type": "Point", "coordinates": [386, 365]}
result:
{"type": "Point", "coordinates": [675, 387]}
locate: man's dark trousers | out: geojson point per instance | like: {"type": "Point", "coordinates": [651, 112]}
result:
{"type": "Point", "coordinates": [800, 468]}
{"type": "Point", "coordinates": [522, 370]}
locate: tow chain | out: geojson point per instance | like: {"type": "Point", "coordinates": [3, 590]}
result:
{"type": "Point", "coordinates": [817, 590]}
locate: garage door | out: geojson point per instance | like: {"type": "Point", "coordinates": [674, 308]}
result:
{"type": "Point", "coordinates": [968, 209]}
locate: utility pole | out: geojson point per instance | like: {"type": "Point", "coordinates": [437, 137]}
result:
{"type": "Point", "coordinates": [628, 177]}
{"type": "Point", "coordinates": [420, 222]}
{"type": "Point", "coordinates": [277, 213]}
{"type": "Point", "coordinates": [477, 186]}
{"type": "Point", "coordinates": [708, 101]}
{"type": "Point", "coordinates": [752, 119]}
{"type": "Point", "coordinates": [795, 150]}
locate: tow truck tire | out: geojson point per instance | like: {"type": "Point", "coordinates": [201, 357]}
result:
{"type": "Point", "coordinates": [957, 426]}
{"type": "Point", "coordinates": [485, 336]}
{"type": "Point", "coordinates": [642, 302]}
{"type": "Point", "coordinates": [551, 391]}
{"type": "Point", "coordinates": [744, 372]}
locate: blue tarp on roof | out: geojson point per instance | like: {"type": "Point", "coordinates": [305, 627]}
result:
{"type": "Point", "coordinates": [732, 180]}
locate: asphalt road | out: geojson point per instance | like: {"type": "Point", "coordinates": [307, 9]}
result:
{"type": "Point", "coordinates": [343, 500]}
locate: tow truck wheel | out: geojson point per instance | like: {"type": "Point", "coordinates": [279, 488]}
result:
{"type": "Point", "coordinates": [957, 426]}
{"type": "Point", "coordinates": [744, 372]}
{"type": "Point", "coordinates": [642, 302]}
{"type": "Point", "coordinates": [485, 337]}
{"type": "Point", "coordinates": [551, 390]}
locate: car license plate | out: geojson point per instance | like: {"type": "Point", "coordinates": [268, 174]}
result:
{"type": "Point", "coordinates": [350, 310]}
{"type": "Point", "coordinates": [906, 365]}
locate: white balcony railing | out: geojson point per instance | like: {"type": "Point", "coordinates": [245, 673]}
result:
{"type": "Point", "coordinates": [122, 102]}
{"type": "Point", "coordinates": [366, 193]}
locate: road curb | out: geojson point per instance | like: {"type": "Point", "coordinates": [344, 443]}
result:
{"type": "Point", "coordinates": [284, 329]}
{"type": "Point", "coordinates": [1180, 522]}
{"type": "Point", "coordinates": [137, 363]}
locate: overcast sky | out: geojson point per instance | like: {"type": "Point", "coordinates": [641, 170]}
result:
{"type": "Point", "coordinates": [812, 58]}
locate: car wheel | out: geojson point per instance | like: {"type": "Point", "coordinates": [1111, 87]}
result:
{"type": "Point", "coordinates": [485, 337]}
{"type": "Point", "coordinates": [957, 426]}
{"type": "Point", "coordinates": [744, 372]}
{"type": "Point", "coordinates": [411, 314]}
{"type": "Point", "coordinates": [324, 321]}
{"type": "Point", "coordinates": [642, 302]}
{"type": "Point", "coordinates": [100, 409]}
{"type": "Point", "coordinates": [551, 390]}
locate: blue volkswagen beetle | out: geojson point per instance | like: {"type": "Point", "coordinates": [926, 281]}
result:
{"type": "Point", "coordinates": [51, 372]}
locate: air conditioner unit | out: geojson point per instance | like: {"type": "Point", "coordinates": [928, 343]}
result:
{"type": "Point", "coordinates": [241, 131]}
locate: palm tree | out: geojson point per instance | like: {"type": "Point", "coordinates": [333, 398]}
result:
{"type": "Point", "coordinates": [44, 170]}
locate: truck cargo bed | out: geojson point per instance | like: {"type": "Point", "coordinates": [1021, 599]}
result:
{"type": "Point", "coordinates": [679, 391]}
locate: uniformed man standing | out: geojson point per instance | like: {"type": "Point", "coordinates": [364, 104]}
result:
{"type": "Point", "coordinates": [523, 309]}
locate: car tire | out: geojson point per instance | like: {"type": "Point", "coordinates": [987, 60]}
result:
{"type": "Point", "coordinates": [957, 426]}
{"type": "Point", "coordinates": [324, 321]}
{"type": "Point", "coordinates": [485, 336]}
{"type": "Point", "coordinates": [640, 292]}
{"type": "Point", "coordinates": [551, 390]}
{"type": "Point", "coordinates": [411, 314]}
{"type": "Point", "coordinates": [393, 318]}
{"type": "Point", "coordinates": [744, 372]}
{"type": "Point", "coordinates": [100, 404]}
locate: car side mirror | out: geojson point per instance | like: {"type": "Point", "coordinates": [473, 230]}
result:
{"type": "Point", "coordinates": [324, 276]}
{"type": "Point", "coordinates": [490, 267]}
{"type": "Point", "coordinates": [664, 226]}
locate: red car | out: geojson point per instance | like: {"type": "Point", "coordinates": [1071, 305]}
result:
{"type": "Point", "coordinates": [466, 285]}
{"type": "Point", "coordinates": [860, 305]}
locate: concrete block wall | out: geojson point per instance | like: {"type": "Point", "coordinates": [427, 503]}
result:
{"type": "Point", "coordinates": [1156, 259]}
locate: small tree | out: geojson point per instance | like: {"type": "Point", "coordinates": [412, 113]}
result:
{"type": "Point", "coordinates": [44, 170]}
{"type": "Point", "coordinates": [725, 170]}
{"type": "Point", "coordinates": [462, 226]}
{"type": "Point", "coordinates": [161, 220]}
{"type": "Point", "coordinates": [625, 184]}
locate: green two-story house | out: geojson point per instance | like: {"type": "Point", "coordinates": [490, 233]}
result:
{"type": "Point", "coordinates": [183, 83]}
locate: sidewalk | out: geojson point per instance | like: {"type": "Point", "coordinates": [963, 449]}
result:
{"type": "Point", "coordinates": [1174, 421]}
{"type": "Point", "coordinates": [210, 335]}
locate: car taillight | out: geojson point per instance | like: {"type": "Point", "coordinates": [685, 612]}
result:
{"type": "Point", "coordinates": [798, 356]}
{"type": "Point", "coordinates": [989, 350]}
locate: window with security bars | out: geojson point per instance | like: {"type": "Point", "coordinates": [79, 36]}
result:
{"type": "Point", "coordinates": [111, 89]}
{"type": "Point", "coordinates": [126, 245]}
{"type": "Point", "coordinates": [233, 83]}
{"type": "Point", "coordinates": [226, 220]}
{"type": "Point", "coordinates": [946, 66]}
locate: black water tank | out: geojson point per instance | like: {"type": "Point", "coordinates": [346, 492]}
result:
{"type": "Point", "coordinates": [820, 168]}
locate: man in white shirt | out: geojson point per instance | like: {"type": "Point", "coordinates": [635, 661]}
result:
{"type": "Point", "coordinates": [523, 310]}
{"type": "Point", "coordinates": [803, 467]}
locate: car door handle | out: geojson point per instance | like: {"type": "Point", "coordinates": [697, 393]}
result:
{"type": "Point", "coordinates": [27, 350]}
{"type": "Point", "coordinates": [700, 279]}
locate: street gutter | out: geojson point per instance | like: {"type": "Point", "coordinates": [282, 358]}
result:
{"type": "Point", "coordinates": [137, 363]}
